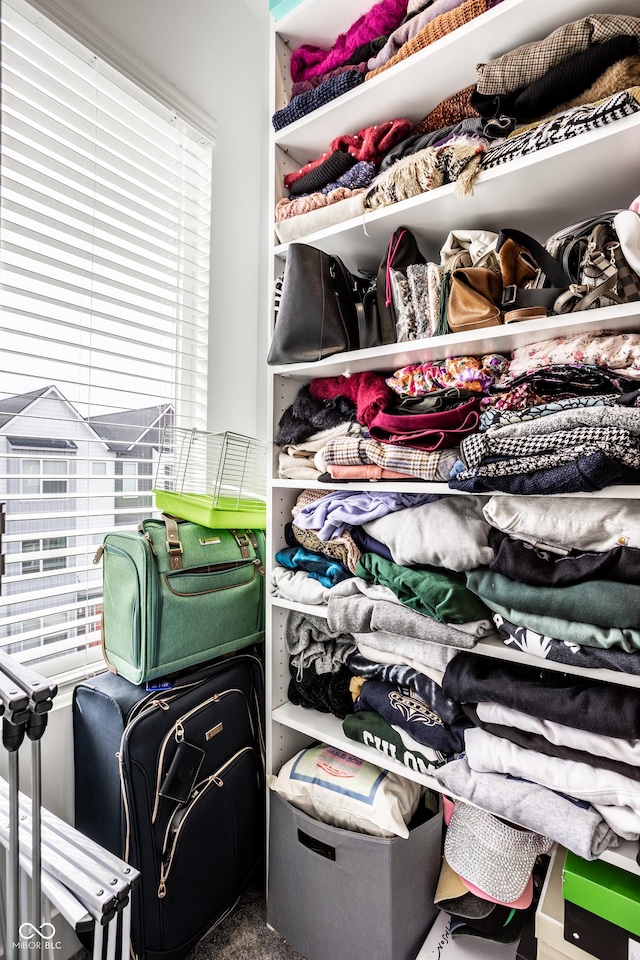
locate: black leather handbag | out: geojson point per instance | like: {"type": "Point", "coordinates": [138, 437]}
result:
{"type": "Point", "coordinates": [323, 310]}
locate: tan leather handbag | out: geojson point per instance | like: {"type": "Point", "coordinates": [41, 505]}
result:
{"type": "Point", "coordinates": [474, 299]}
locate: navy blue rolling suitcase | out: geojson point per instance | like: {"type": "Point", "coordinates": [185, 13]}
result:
{"type": "Point", "coordinates": [172, 781]}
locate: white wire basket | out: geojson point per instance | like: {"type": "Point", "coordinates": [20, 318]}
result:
{"type": "Point", "coordinates": [214, 479]}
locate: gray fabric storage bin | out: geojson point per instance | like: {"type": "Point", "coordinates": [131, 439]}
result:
{"type": "Point", "coordinates": [335, 895]}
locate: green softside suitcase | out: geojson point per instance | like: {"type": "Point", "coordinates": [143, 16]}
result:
{"type": "Point", "coordinates": [177, 594]}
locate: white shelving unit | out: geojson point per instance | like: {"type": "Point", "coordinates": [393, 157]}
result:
{"type": "Point", "coordinates": [538, 194]}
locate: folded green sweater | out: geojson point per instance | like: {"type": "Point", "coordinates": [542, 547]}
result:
{"type": "Point", "coordinates": [605, 603]}
{"type": "Point", "coordinates": [431, 592]}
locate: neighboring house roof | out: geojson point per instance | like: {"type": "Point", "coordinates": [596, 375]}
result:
{"type": "Point", "coordinates": [11, 407]}
{"type": "Point", "coordinates": [126, 429]}
{"type": "Point", "coordinates": [120, 431]}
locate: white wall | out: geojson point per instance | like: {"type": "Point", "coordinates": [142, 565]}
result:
{"type": "Point", "coordinates": [215, 52]}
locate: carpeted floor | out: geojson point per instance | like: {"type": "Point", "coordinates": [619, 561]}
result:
{"type": "Point", "coordinates": [244, 935]}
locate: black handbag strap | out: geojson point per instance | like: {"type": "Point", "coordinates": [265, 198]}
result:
{"type": "Point", "coordinates": [513, 296]}
{"type": "Point", "coordinates": [362, 323]}
{"type": "Point", "coordinates": [368, 324]}
{"type": "Point", "coordinates": [346, 290]}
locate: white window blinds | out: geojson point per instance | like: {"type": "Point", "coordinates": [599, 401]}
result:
{"type": "Point", "coordinates": [104, 256]}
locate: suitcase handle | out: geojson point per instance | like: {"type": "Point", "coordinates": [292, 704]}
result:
{"type": "Point", "coordinates": [317, 846]}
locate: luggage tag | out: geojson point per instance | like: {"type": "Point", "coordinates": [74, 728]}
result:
{"type": "Point", "coordinates": [182, 773]}
{"type": "Point", "coordinates": [153, 686]}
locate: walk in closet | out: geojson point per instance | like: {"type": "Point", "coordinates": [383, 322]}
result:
{"type": "Point", "coordinates": [539, 194]}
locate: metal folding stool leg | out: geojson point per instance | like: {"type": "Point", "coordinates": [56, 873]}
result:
{"type": "Point", "coordinates": [14, 703]}
{"type": "Point", "coordinates": [97, 942]}
{"type": "Point", "coordinates": [126, 931]}
{"type": "Point", "coordinates": [112, 936]}
{"type": "Point", "coordinates": [40, 693]}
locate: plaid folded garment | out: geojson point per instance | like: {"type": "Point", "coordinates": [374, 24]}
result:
{"type": "Point", "coordinates": [425, 464]}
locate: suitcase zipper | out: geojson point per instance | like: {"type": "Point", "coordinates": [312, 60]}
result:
{"type": "Point", "coordinates": [139, 711]}
{"type": "Point", "coordinates": [238, 565]}
{"type": "Point", "coordinates": [147, 705]}
{"type": "Point", "coordinates": [175, 825]}
{"type": "Point", "coordinates": [177, 730]}
{"type": "Point", "coordinates": [136, 620]}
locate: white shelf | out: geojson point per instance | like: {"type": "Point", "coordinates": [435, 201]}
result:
{"type": "Point", "coordinates": [630, 492]}
{"type": "Point", "coordinates": [417, 84]}
{"type": "Point", "coordinates": [499, 339]}
{"type": "Point", "coordinates": [328, 729]}
{"type": "Point", "coordinates": [498, 650]}
{"type": "Point", "coordinates": [309, 609]}
{"type": "Point", "coordinates": [538, 193]}
{"type": "Point", "coordinates": [414, 486]}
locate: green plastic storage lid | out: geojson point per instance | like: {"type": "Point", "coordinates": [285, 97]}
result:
{"type": "Point", "coordinates": [603, 889]}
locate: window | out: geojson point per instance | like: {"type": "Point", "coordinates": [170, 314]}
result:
{"type": "Point", "coordinates": [44, 564]}
{"type": "Point", "coordinates": [34, 473]}
{"type": "Point", "coordinates": [130, 477]}
{"type": "Point", "coordinates": [104, 254]}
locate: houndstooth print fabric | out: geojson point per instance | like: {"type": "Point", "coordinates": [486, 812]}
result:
{"type": "Point", "coordinates": [562, 127]}
{"type": "Point", "coordinates": [495, 418]}
{"type": "Point", "coordinates": [547, 450]}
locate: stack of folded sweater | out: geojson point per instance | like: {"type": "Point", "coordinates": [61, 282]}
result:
{"type": "Point", "coordinates": [320, 75]}
{"type": "Point", "coordinates": [582, 76]}
{"type": "Point", "coordinates": [564, 419]}
{"type": "Point", "coordinates": [425, 579]}
{"type": "Point", "coordinates": [405, 427]}
{"type": "Point", "coordinates": [567, 571]}
{"type": "Point", "coordinates": [435, 21]}
{"type": "Point", "coordinates": [331, 187]}
{"type": "Point", "coordinates": [394, 621]}
{"type": "Point", "coordinates": [561, 735]}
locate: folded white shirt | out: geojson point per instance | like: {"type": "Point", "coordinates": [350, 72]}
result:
{"type": "Point", "coordinates": [567, 523]}
{"type": "Point", "coordinates": [450, 532]}
{"type": "Point", "coordinates": [614, 748]}
{"type": "Point", "coordinates": [616, 797]}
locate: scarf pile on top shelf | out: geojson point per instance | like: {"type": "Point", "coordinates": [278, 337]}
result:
{"type": "Point", "coordinates": [580, 77]}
